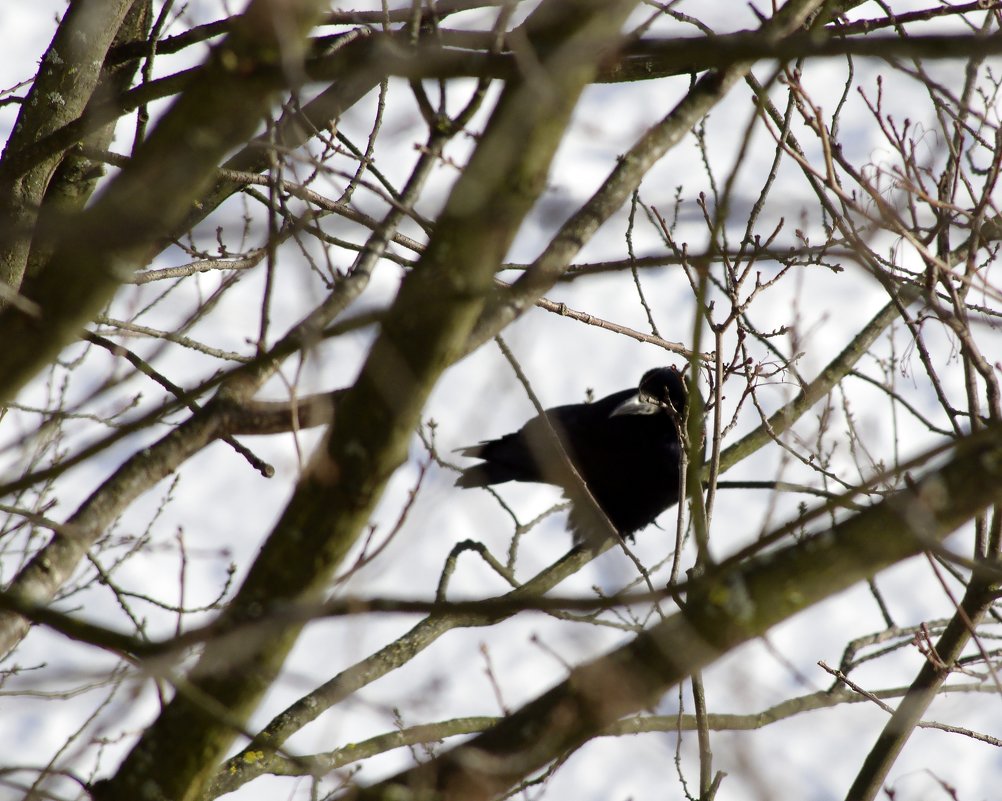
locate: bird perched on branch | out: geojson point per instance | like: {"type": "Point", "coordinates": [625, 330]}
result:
{"type": "Point", "coordinates": [626, 448]}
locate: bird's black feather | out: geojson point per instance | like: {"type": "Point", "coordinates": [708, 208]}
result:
{"type": "Point", "coordinates": [628, 453]}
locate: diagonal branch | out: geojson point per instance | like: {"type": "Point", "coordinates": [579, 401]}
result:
{"type": "Point", "coordinates": [977, 600]}
{"type": "Point", "coordinates": [154, 192]}
{"type": "Point", "coordinates": [67, 79]}
{"type": "Point", "coordinates": [424, 331]}
{"type": "Point", "coordinates": [624, 179]}
{"type": "Point", "coordinates": [728, 608]}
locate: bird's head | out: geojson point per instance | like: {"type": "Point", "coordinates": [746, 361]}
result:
{"type": "Point", "coordinates": [661, 390]}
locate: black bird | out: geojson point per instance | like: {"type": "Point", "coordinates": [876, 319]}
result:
{"type": "Point", "coordinates": [625, 446]}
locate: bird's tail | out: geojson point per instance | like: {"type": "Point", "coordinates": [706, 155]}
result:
{"type": "Point", "coordinates": [477, 476]}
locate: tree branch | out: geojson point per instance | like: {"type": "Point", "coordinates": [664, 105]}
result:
{"type": "Point", "coordinates": [741, 601]}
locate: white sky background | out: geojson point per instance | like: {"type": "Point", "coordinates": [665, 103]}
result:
{"type": "Point", "coordinates": [226, 509]}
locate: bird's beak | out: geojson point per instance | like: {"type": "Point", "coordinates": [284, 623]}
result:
{"type": "Point", "coordinates": [636, 404]}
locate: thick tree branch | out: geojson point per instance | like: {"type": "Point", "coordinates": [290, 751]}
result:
{"type": "Point", "coordinates": [154, 192]}
{"type": "Point", "coordinates": [741, 601]}
{"type": "Point", "coordinates": [67, 79]}
{"type": "Point", "coordinates": [977, 600]}
{"type": "Point", "coordinates": [423, 332]}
